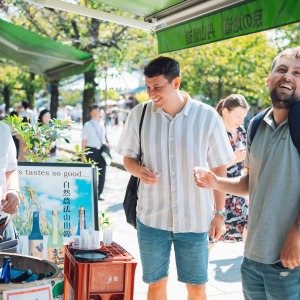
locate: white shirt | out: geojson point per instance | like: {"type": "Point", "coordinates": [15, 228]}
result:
{"type": "Point", "coordinates": [94, 134]}
{"type": "Point", "coordinates": [8, 161]}
{"type": "Point", "coordinates": [28, 114]}
{"type": "Point", "coordinates": [173, 147]}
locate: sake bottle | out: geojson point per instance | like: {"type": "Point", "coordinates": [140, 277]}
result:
{"type": "Point", "coordinates": [81, 220]}
{"type": "Point", "coordinates": [55, 245]}
{"type": "Point", "coordinates": [22, 277]}
{"type": "Point", "coordinates": [35, 238]}
{"type": "Point", "coordinates": [5, 274]}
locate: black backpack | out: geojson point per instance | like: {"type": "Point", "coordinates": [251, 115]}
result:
{"type": "Point", "coordinates": [293, 121]}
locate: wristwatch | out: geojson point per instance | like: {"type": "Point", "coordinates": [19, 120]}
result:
{"type": "Point", "coordinates": [222, 213]}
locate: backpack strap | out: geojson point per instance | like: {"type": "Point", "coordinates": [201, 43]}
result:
{"type": "Point", "coordinates": [256, 121]}
{"type": "Point", "coordinates": [294, 125]}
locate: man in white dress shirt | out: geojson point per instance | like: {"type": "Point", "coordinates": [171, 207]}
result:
{"type": "Point", "coordinates": [178, 134]}
{"type": "Point", "coordinates": [94, 137]}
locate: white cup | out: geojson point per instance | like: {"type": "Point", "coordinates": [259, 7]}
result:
{"type": "Point", "coordinates": [85, 239]}
{"type": "Point", "coordinates": [95, 240]}
{"type": "Point", "coordinates": [107, 236]}
{"type": "Point", "coordinates": [76, 241]}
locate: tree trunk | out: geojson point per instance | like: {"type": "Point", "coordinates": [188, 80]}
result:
{"type": "Point", "coordinates": [6, 96]}
{"type": "Point", "coordinates": [219, 89]}
{"type": "Point", "coordinates": [30, 91]}
{"type": "Point", "coordinates": [88, 94]}
{"type": "Point", "coordinates": [54, 98]}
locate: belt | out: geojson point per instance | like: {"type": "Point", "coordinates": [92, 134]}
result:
{"type": "Point", "coordinates": [93, 148]}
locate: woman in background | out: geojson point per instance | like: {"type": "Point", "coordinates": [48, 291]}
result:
{"type": "Point", "coordinates": [233, 111]}
{"type": "Point", "coordinates": [44, 119]}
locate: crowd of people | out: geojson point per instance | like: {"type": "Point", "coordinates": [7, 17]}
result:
{"type": "Point", "coordinates": [198, 174]}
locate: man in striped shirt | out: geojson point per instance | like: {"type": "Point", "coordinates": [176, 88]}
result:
{"type": "Point", "coordinates": [178, 134]}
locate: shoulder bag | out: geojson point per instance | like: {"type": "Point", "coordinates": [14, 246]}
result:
{"type": "Point", "coordinates": [131, 195]}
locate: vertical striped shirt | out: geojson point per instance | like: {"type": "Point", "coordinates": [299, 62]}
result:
{"type": "Point", "coordinates": [173, 147]}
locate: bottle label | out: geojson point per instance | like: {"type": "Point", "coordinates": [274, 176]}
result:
{"type": "Point", "coordinates": [35, 248]}
{"type": "Point", "coordinates": [56, 255]}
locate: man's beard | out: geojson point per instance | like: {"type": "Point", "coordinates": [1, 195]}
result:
{"type": "Point", "coordinates": [283, 101]}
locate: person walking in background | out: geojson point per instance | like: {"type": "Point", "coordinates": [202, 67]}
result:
{"type": "Point", "coordinates": [177, 134]}
{"type": "Point", "coordinates": [26, 113]}
{"type": "Point", "coordinates": [9, 191]}
{"type": "Point", "coordinates": [44, 119]}
{"type": "Point", "coordinates": [94, 137]}
{"type": "Point", "coordinates": [271, 265]}
{"type": "Point", "coordinates": [233, 111]}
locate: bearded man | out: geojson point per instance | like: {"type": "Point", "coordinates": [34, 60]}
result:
{"type": "Point", "coordinates": [271, 265]}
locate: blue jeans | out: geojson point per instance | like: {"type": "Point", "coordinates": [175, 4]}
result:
{"type": "Point", "coordinates": [191, 254]}
{"type": "Point", "coordinates": [269, 282]}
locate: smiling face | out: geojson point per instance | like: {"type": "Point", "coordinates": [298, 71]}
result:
{"type": "Point", "coordinates": [161, 91]}
{"type": "Point", "coordinates": [284, 82]}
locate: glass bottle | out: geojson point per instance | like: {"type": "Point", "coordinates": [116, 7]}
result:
{"type": "Point", "coordinates": [55, 245]}
{"type": "Point", "coordinates": [5, 274]}
{"type": "Point", "coordinates": [22, 277]}
{"type": "Point", "coordinates": [35, 238]}
{"type": "Point", "coordinates": [81, 220]}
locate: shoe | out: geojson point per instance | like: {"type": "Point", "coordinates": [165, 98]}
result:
{"type": "Point", "coordinates": [101, 198]}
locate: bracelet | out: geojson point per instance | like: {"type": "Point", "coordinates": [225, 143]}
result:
{"type": "Point", "coordinates": [221, 213]}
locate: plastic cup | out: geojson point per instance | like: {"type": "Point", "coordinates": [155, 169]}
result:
{"type": "Point", "coordinates": [95, 239]}
{"type": "Point", "coordinates": [85, 239]}
{"type": "Point", "coordinates": [107, 236]}
{"type": "Point", "coordinates": [76, 241]}
{"type": "Point", "coordinates": [200, 172]}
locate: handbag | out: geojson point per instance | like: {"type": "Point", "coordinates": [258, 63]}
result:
{"type": "Point", "coordinates": [105, 153]}
{"type": "Point", "coordinates": [131, 195]}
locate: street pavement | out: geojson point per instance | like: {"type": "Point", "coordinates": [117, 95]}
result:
{"type": "Point", "coordinates": [225, 258]}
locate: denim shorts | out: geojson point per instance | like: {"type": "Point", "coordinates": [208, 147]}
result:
{"type": "Point", "coordinates": [272, 282]}
{"type": "Point", "coordinates": [191, 254]}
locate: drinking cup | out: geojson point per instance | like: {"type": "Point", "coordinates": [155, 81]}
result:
{"type": "Point", "coordinates": [95, 239]}
{"type": "Point", "coordinates": [85, 239]}
{"type": "Point", "coordinates": [107, 236]}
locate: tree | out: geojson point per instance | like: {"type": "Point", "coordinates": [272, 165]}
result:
{"type": "Point", "coordinates": [286, 36]}
{"type": "Point", "coordinates": [233, 66]}
{"type": "Point", "coordinates": [105, 40]}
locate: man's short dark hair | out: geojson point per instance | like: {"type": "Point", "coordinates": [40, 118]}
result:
{"type": "Point", "coordinates": [94, 106]}
{"type": "Point", "coordinates": [25, 104]}
{"type": "Point", "coordinates": [163, 65]}
{"type": "Point", "coordinates": [289, 52]}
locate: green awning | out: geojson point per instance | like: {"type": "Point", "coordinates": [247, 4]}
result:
{"type": "Point", "coordinates": [181, 24]}
{"type": "Point", "coordinates": [232, 22]}
{"type": "Point", "coordinates": [42, 55]}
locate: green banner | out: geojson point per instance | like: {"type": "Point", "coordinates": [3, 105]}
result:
{"type": "Point", "coordinates": [244, 19]}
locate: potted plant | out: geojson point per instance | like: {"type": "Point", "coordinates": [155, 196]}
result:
{"type": "Point", "coordinates": [40, 138]}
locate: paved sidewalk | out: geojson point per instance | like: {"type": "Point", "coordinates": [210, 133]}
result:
{"type": "Point", "coordinates": [225, 259]}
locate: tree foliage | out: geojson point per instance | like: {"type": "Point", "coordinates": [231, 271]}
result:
{"type": "Point", "coordinates": [210, 72]}
{"type": "Point", "coordinates": [237, 65]}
